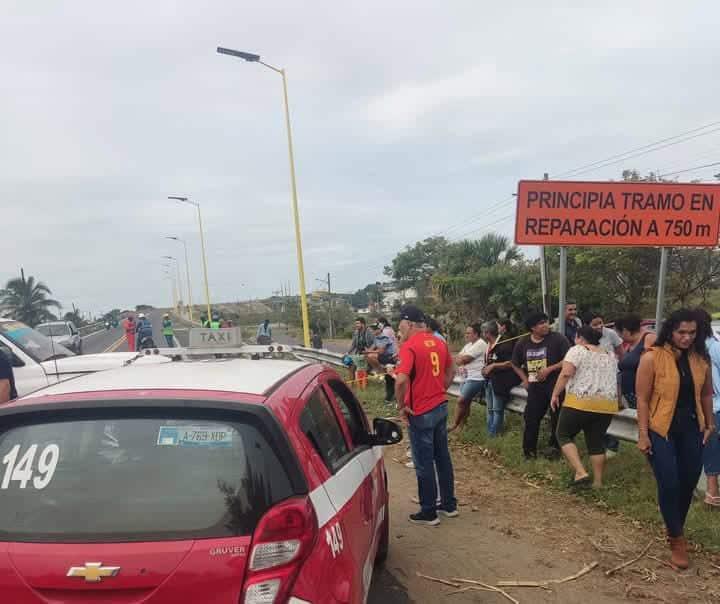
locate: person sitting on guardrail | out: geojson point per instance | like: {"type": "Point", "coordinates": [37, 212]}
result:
{"type": "Point", "coordinates": [637, 341]}
{"type": "Point", "coordinates": [675, 419]}
{"type": "Point", "coordinates": [498, 372]}
{"type": "Point", "coordinates": [589, 379]}
{"type": "Point", "coordinates": [362, 339]}
{"type": "Point", "coordinates": [711, 453]}
{"type": "Point", "coordinates": [470, 362]}
{"type": "Point", "coordinates": [382, 354]}
{"type": "Point", "coordinates": [264, 333]}
{"type": "Point", "coordinates": [537, 360]}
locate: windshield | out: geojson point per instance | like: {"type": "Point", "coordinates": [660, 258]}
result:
{"type": "Point", "coordinates": [33, 343]}
{"type": "Point", "coordinates": [54, 329]}
{"type": "Point", "coordinates": [136, 479]}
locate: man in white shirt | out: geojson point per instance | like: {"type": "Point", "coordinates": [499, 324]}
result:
{"type": "Point", "coordinates": [471, 362]}
{"type": "Point", "coordinates": [609, 339]}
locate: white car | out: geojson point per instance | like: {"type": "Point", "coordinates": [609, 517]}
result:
{"type": "Point", "coordinates": [64, 333]}
{"type": "Point", "coordinates": [39, 362]}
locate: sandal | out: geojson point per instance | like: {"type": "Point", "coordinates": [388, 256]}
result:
{"type": "Point", "coordinates": [581, 483]}
{"type": "Point", "coordinates": [713, 502]}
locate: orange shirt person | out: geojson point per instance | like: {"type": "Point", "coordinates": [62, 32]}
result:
{"type": "Point", "coordinates": [129, 325]}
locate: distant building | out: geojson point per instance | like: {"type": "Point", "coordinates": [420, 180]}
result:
{"type": "Point", "coordinates": [394, 295]}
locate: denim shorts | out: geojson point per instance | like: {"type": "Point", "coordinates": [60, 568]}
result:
{"type": "Point", "coordinates": [472, 388]}
{"type": "Point", "coordinates": [711, 454]}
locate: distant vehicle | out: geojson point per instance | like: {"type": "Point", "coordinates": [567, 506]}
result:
{"type": "Point", "coordinates": [227, 480]}
{"type": "Point", "coordinates": [37, 362]}
{"type": "Point", "coordinates": [64, 333]}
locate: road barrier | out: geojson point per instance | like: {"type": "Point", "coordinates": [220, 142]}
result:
{"type": "Point", "coordinates": [623, 426]}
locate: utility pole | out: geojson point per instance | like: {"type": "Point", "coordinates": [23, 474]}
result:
{"type": "Point", "coordinates": [331, 326]}
{"type": "Point", "coordinates": [544, 274]}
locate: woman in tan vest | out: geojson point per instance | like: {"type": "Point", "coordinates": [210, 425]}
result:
{"type": "Point", "coordinates": [675, 419]}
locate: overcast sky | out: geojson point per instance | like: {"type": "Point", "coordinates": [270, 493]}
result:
{"type": "Point", "coordinates": [409, 118]}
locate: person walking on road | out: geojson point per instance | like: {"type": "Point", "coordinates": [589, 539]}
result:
{"type": "Point", "coordinates": [675, 419]}
{"type": "Point", "coordinates": [7, 379]}
{"type": "Point", "coordinates": [130, 327]}
{"type": "Point", "coordinates": [498, 372]}
{"type": "Point", "coordinates": [711, 453]}
{"type": "Point", "coordinates": [264, 333]}
{"type": "Point", "coordinates": [470, 362]}
{"type": "Point", "coordinates": [423, 375]}
{"type": "Point", "coordinates": [144, 332]}
{"type": "Point", "coordinates": [537, 360]}
{"type": "Point", "coordinates": [637, 341]}
{"type": "Point", "coordinates": [168, 331]}
{"type": "Point", "coordinates": [589, 378]}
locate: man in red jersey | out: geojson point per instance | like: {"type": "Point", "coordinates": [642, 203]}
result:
{"type": "Point", "coordinates": [424, 373]}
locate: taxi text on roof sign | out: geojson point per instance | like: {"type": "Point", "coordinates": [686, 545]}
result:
{"type": "Point", "coordinates": [617, 213]}
{"type": "Point", "coordinates": [201, 337]}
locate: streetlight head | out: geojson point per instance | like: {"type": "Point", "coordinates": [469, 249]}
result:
{"type": "Point", "coordinates": [177, 197]}
{"type": "Point", "coordinates": [173, 238]}
{"type": "Point", "coordinates": [248, 56]}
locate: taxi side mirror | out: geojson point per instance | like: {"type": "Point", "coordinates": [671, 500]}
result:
{"type": "Point", "coordinates": [385, 432]}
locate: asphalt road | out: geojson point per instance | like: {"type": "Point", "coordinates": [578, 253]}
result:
{"type": "Point", "coordinates": [385, 589]}
{"type": "Point", "coordinates": [113, 340]}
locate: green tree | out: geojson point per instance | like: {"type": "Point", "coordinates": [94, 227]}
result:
{"type": "Point", "coordinates": [415, 265]}
{"type": "Point", "coordinates": [362, 298]}
{"type": "Point", "coordinates": [75, 318]}
{"type": "Point", "coordinates": [27, 300]}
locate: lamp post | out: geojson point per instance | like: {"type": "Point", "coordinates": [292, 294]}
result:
{"type": "Point", "coordinates": [187, 276]}
{"type": "Point", "coordinates": [179, 280]}
{"type": "Point", "coordinates": [253, 58]}
{"type": "Point", "coordinates": [173, 291]}
{"type": "Point", "coordinates": [202, 247]}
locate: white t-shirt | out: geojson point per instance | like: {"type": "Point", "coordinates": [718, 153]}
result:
{"type": "Point", "coordinates": [477, 350]}
{"type": "Point", "coordinates": [610, 340]}
{"type": "Point", "coordinates": [595, 373]}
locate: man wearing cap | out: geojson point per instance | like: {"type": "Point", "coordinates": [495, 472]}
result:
{"type": "Point", "coordinates": [423, 375]}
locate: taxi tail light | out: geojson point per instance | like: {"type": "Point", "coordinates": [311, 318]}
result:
{"type": "Point", "coordinates": [282, 541]}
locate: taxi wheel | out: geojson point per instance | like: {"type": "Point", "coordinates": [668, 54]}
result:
{"type": "Point", "coordinates": [384, 545]}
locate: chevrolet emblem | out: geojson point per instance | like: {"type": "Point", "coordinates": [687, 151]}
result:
{"type": "Point", "coordinates": [93, 572]}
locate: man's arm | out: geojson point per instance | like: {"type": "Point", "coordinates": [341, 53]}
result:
{"type": "Point", "coordinates": [401, 386]}
{"type": "Point", "coordinates": [5, 376]}
{"type": "Point", "coordinates": [449, 372]}
{"type": "Point", "coordinates": [643, 390]}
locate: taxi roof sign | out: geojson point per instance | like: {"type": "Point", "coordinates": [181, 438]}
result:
{"type": "Point", "coordinates": [205, 337]}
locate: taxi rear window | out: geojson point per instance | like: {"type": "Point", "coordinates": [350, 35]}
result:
{"type": "Point", "coordinates": [111, 479]}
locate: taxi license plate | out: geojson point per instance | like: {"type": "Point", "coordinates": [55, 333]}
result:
{"type": "Point", "coordinates": [194, 436]}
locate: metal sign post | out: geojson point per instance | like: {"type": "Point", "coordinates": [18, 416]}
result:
{"type": "Point", "coordinates": [562, 294]}
{"type": "Point", "coordinates": [662, 278]}
{"type": "Point", "coordinates": [544, 274]}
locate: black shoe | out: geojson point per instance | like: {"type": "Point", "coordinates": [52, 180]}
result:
{"type": "Point", "coordinates": [448, 512]}
{"type": "Point", "coordinates": [426, 518]}
{"type": "Point", "coordinates": [530, 455]}
{"type": "Point", "coordinates": [551, 453]}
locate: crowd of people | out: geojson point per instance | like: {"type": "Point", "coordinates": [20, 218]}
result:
{"type": "Point", "coordinates": [581, 375]}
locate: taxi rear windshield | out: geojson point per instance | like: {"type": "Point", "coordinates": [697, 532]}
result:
{"type": "Point", "coordinates": [137, 479]}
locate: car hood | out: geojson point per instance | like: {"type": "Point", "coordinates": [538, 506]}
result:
{"type": "Point", "coordinates": [89, 363]}
{"type": "Point", "coordinates": [61, 339]}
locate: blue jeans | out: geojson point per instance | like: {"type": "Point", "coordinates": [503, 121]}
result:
{"type": "Point", "coordinates": [170, 340]}
{"type": "Point", "coordinates": [711, 454]}
{"type": "Point", "coordinates": [430, 451]}
{"type": "Point", "coordinates": [495, 410]}
{"type": "Point", "coordinates": [677, 464]}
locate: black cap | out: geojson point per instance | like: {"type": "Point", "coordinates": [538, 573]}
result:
{"type": "Point", "coordinates": [412, 313]}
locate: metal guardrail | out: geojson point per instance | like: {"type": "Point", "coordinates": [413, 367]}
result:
{"type": "Point", "coordinates": [623, 426]}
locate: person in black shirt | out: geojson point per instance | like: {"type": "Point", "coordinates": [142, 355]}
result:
{"type": "Point", "coordinates": [537, 360]}
{"type": "Point", "coordinates": [499, 372]}
{"type": "Point", "coordinates": [7, 379]}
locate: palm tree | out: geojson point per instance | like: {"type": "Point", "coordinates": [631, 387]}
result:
{"type": "Point", "coordinates": [27, 300]}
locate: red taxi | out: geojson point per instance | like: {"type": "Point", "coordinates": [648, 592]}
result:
{"type": "Point", "coordinates": [210, 482]}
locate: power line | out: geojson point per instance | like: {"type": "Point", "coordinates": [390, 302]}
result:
{"type": "Point", "coordinates": [585, 167]}
{"type": "Point", "coordinates": [717, 163]}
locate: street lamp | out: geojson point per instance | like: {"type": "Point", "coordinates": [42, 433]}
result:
{"type": "Point", "coordinates": [187, 275]}
{"type": "Point", "coordinates": [173, 289]}
{"type": "Point", "coordinates": [202, 247]}
{"type": "Point", "coordinates": [179, 280]}
{"type": "Point", "coordinates": [253, 58]}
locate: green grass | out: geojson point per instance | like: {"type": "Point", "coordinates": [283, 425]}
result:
{"type": "Point", "coordinates": [629, 489]}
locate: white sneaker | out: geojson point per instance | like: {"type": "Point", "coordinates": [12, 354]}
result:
{"type": "Point", "coordinates": [416, 499]}
{"type": "Point", "coordinates": [410, 465]}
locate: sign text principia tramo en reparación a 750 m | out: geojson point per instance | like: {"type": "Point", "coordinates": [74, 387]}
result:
{"type": "Point", "coordinates": [569, 213]}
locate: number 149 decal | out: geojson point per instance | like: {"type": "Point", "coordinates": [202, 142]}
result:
{"type": "Point", "coordinates": [334, 539]}
{"type": "Point", "coordinates": [22, 471]}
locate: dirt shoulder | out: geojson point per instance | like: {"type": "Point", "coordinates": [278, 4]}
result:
{"type": "Point", "coordinates": [510, 529]}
